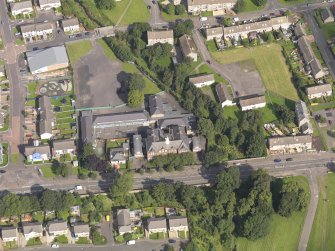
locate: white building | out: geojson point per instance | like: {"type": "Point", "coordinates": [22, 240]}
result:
{"type": "Point", "coordinates": [319, 91]}
{"type": "Point", "coordinates": [49, 4]}
{"type": "Point", "coordinates": [81, 230]}
{"type": "Point", "coordinates": [23, 8]}
{"type": "Point", "coordinates": [178, 223]}
{"type": "Point", "coordinates": [263, 26]}
{"type": "Point", "coordinates": [57, 228]}
{"type": "Point", "coordinates": [62, 147]}
{"type": "Point", "coordinates": [290, 144]}
{"type": "Point", "coordinates": [202, 80]}
{"type": "Point", "coordinates": [32, 230]}
{"type": "Point", "coordinates": [36, 30]}
{"type": "Point", "coordinates": [188, 47]}
{"type": "Point", "coordinates": [224, 97]}
{"type": "Point", "coordinates": [302, 115]}
{"type": "Point", "coordinates": [251, 103]}
{"type": "Point", "coordinates": [160, 36]}
{"type": "Point", "coordinates": [9, 234]}
{"type": "Point", "coordinates": [70, 25]}
{"type": "Point", "coordinates": [37, 153]}
{"type": "Point", "coordinates": [197, 6]}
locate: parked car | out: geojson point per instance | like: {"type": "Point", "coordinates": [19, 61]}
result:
{"type": "Point", "coordinates": [57, 109]}
{"type": "Point", "coordinates": [2, 171]}
{"type": "Point", "coordinates": [54, 246]}
{"type": "Point", "coordinates": [35, 48]}
{"type": "Point", "coordinates": [208, 61]}
{"type": "Point", "coordinates": [131, 242]}
{"type": "Point", "coordinates": [78, 188]}
{"type": "Point", "coordinates": [277, 160]}
{"type": "Point", "coordinates": [289, 159]}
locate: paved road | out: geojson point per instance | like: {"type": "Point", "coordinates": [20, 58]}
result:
{"type": "Point", "coordinates": [321, 42]}
{"type": "Point", "coordinates": [156, 19]}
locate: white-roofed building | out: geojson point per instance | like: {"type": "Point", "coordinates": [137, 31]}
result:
{"type": "Point", "coordinates": [49, 4]}
{"type": "Point", "coordinates": [24, 7]}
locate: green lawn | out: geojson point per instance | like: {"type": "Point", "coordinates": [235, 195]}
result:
{"type": "Point", "coordinates": [284, 232]}
{"type": "Point", "coordinates": [108, 52]}
{"type": "Point", "coordinates": [168, 17]}
{"type": "Point", "coordinates": [322, 237]}
{"type": "Point", "coordinates": [293, 2]}
{"type": "Point", "coordinates": [47, 172]}
{"type": "Point", "coordinates": [249, 6]}
{"type": "Point", "coordinates": [34, 242]}
{"type": "Point", "coordinates": [137, 12]}
{"type": "Point", "coordinates": [62, 239]}
{"type": "Point", "coordinates": [5, 154]}
{"type": "Point", "coordinates": [269, 62]}
{"type": "Point", "coordinates": [77, 50]}
{"type": "Point", "coordinates": [32, 90]}
{"type": "Point", "coordinates": [328, 29]}
{"type": "Point", "coordinates": [15, 158]}
{"type": "Point", "coordinates": [211, 45]}
{"type": "Point", "coordinates": [160, 212]}
{"type": "Point", "coordinates": [206, 69]}
{"type": "Point", "coordinates": [10, 245]}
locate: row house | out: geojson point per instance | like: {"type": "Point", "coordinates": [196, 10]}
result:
{"type": "Point", "coordinates": [36, 30]}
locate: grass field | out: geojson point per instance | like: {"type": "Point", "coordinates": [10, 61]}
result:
{"type": "Point", "coordinates": [249, 6]}
{"type": "Point", "coordinates": [77, 50]}
{"type": "Point", "coordinates": [284, 232]}
{"type": "Point", "coordinates": [137, 12]}
{"type": "Point", "coordinates": [322, 237]}
{"type": "Point", "coordinates": [168, 17]}
{"type": "Point", "coordinates": [293, 2]}
{"type": "Point", "coordinates": [269, 62]}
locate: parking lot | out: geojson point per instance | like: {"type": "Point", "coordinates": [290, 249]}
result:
{"type": "Point", "coordinates": [99, 80]}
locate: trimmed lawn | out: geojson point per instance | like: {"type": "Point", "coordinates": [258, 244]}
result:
{"type": "Point", "coordinates": [108, 52]}
{"type": "Point", "coordinates": [47, 172]}
{"type": "Point", "coordinates": [83, 240]}
{"type": "Point", "coordinates": [137, 12]}
{"type": "Point", "coordinates": [115, 13]}
{"type": "Point", "coordinates": [168, 17]}
{"type": "Point", "coordinates": [34, 242]}
{"type": "Point", "coordinates": [322, 236]}
{"type": "Point", "coordinates": [284, 232]}
{"type": "Point", "coordinates": [77, 50]}
{"type": "Point", "coordinates": [62, 239]}
{"type": "Point", "coordinates": [115, 143]}
{"type": "Point", "coordinates": [10, 245]}
{"type": "Point", "coordinates": [294, 2]}
{"type": "Point", "coordinates": [32, 90]}
{"type": "Point", "coordinates": [160, 212]}
{"type": "Point", "coordinates": [249, 6]}
{"type": "Point", "coordinates": [269, 62]}
{"type": "Point", "coordinates": [211, 46]}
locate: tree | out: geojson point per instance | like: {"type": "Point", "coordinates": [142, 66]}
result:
{"type": "Point", "coordinates": [105, 4]}
{"type": "Point", "coordinates": [170, 9]}
{"type": "Point", "coordinates": [182, 28]}
{"type": "Point", "coordinates": [59, 169]}
{"type": "Point", "coordinates": [270, 37]}
{"type": "Point", "coordinates": [163, 193]}
{"type": "Point", "coordinates": [50, 200]}
{"type": "Point", "coordinates": [227, 21]}
{"type": "Point", "coordinates": [135, 98]}
{"type": "Point", "coordinates": [122, 185]}
{"type": "Point", "coordinates": [180, 9]}
{"type": "Point", "coordinates": [136, 82]}
{"type": "Point", "coordinates": [10, 205]}
{"type": "Point", "coordinates": [259, 2]}
{"type": "Point", "coordinates": [206, 128]}
{"type": "Point", "coordinates": [239, 6]}
{"type": "Point", "coordinates": [285, 114]}
{"type": "Point", "coordinates": [214, 157]}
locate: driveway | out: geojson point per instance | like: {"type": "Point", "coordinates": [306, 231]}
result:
{"type": "Point", "coordinates": [98, 80]}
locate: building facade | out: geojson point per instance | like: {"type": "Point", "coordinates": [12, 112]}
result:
{"type": "Point", "coordinates": [251, 103]}
{"type": "Point", "coordinates": [161, 36]}
{"type": "Point", "coordinates": [49, 4]}
{"type": "Point", "coordinates": [198, 6]}
{"type": "Point", "coordinates": [319, 91]}
{"type": "Point", "coordinates": [202, 80]}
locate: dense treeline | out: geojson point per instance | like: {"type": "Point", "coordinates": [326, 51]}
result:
{"type": "Point", "coordinates": [172, 162]}
{"type": "Point", "coordinates": [227, 210]}
{"type": "Point", "coordinates": [94, 13]}
{"type": "Point", "coordinates": [227, 138]}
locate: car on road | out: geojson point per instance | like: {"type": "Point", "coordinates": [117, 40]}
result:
{"type": "Point", "coordinates": [35, 48]}
{"type": "Point", "coordinates": [208, 61]}
{"type": "Point", "coordinates": [78, 188]}
{"type": "Point", "coordinates": [2, 171]}
{"type": "Point", "coordinates": [149, 7]}
{"type": "Point", "coordinates": [131, 242]}
{"type": "Point", "coordinates": [277, 160]}
{"type": "Point", "coordinates": [172, 241]}
{"type": "Point", "coordinates": [78, 35]}
{"type": "Point", "coordinates": [72, 36]}
{"type": "Point", "coordinates": [153, 2]}
{"type": "Point", "coordinates": [57, 109]}
{"type": "Point", "coordinates": [289, 159]}
{"type": "Point", "coordinates": [54, 245]}
{"type": "Point", "coordinates": [87, 33]}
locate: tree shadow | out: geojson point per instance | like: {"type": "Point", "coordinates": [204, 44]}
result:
{"type": "Point", "coordinates": [122, 91]}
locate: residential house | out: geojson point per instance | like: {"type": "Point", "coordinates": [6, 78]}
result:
{"type": "Point", "coordinates": [36, 30]}
{"type": "Point", "coordinates": [176, 2]}
{"type": "Point", "coordinates": [214, 33]}
{"type": "Point", "coordinates": [299, 30]}
{"type": "Point", "coordinates": [302, 115]}
{"type": "Point", "coordinates": [62, 147]}
{"type": "Point", "coordinates": [326, 15]}
{"type": "Point", "coordinates": [123, 221]}
{"type": "Point", "coordinates": [156, 107]}
{"type": "Point", "coordinates": [253, 102]}
{"type": "Point", "coordinates": [9, 234]}
{"type": "Point", "coordinates": [316, 68]}
{"type": "Point", "coordinates": [224, 97]}
{"type": "Point", "coordinates": [81, 230]}
{"type": "Point", "coordinates": [160, 36]}
{"type": "Point", "coordinates": [70, 25]}
{"type": "Point", "coordinates": [2, 71]}
{"type": "Point", "coordinates": [37, 153]}
{"type": "Point", "coordinates": [162, 142]}
{"type": "Point", "coordinates": [48, 59]}
{"type": "Point", "coordinates": [288, 144]}
{"type": "Point", "coordinates": [138, 146]}
{"type": "Point", "coordinates": [202, 80]}
{"type": "Point", "coordinates": [49, 4]}
{"type": "Point", "coordinates": [319, 91]}
{"type": "Point", "coordinates": [243, 30]}
{"type": "Point", "coordinates": [156, 225]}
{"type": "Point", "coordinates": [57, 228]}
{"type": "Point", "coordinates": [117, 157]}
{"type": "Point", "coordinates": [21, 8]}
{"type": "Point", "coordinates": [46, 117]}
{"type": "Point", "coordinates": [178, 223]}
{"type": "Point", "coordinates": [188, 47]}
{"type": "Point", "coordinates": [32, 230]}
{"type": "Point", "coordinates": [196, 146]}
{"type": "Point", "coordinates": [197, 6]}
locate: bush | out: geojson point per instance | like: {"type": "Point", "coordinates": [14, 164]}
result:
{"type": "Point", "coordinates": [120, 49]}
{"type": "Point", "coordinates": [82, 240]}
{"type": "Point", "coordinates": [62, 239]}
{"type": "Point", "coordinates": [98, 239]}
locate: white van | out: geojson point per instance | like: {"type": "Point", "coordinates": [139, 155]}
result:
{"type": "Point", "coordinates": [131, 242]}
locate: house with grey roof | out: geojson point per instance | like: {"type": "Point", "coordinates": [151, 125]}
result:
{"type": "Point", "coordinates": [81, 230]}
{"type": "Point", "coordinates": [48, 59]}
{"type": "Point", "coordinates": [316, 68]}
{"type": "Point", "coordinates": [36, 30]}
{"type": "Point", "coordinates": [188, 47]}
{"type": "Point", "coordinates": [302, 115]}
{"type": "Point", "coordinates": [156, 225]}
{"type": "Point", "coordinates": [21, 8]}
{"type": "Point", "coordinates": [160, 36]}
{"type": "Point", "coordinates": [177, 223]}
{"type": "Point", "coordinates": [197, 6]}
{"type": "Point", "coordinates": [137, 146]}
{"type": "Point", "coordinates": [86, 127]}
{"type": "Point", "coordinates": [223, 95]}
{"type": "Point", "coordinates": [156, 107]}
{"type": "Point", "coordinates": [46, 117]}
{"type": "Point", "coordinates": [290, 144]}
{"type": "Point", "coordinates": [9, 233]}
{"type": "Point", "coordinates": [252, 102]}
{"type": "Point", "coordinates": [299, 30]}
{"type": "Point", "coordinates": [38, 153]}
{"type": "Point", "coordinates": [57, 228]}
{"type": "Point", "coordinates": [172, 141]}
{"type": "Point", "coordinates": [202, 80]}
{"type": "Point", "coordinates": [32, 230]}
{"type": "Point", "coordinates": [70, 25]}
{"type": "Point", "coordinates": [62, 147]}
{"type": "Point", "coordinates": [214, 33]}
{"type": "Point", "coordinates": [319, 91]}
{"type": "Point", "coordinates": [123, 221]}
{"type": "Point", "coordinates": [117, 156]}
{"type": "Point", "coordinates": [49, 4]}
{"type": "Point", "coordinates": [326, 15]}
